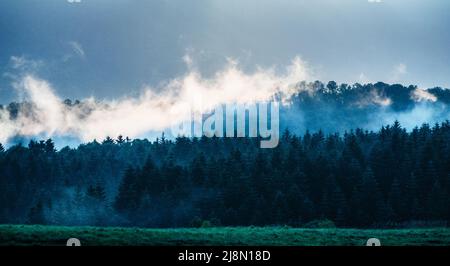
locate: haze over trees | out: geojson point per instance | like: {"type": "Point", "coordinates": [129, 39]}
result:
{"type": "Point", "coordinates": [358, 179]}
{"type": "Point", "coordinates": [329, 107]}
{"type": "Point", "coordinates": [387, 177]}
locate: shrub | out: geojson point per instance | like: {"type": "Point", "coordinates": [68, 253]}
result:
{"type": "Point", "coordinates": [206, 224]}
{"type": "Point", "coordinates": [196, 222]}
{"type": "Point", "coordinates": [325, 223]}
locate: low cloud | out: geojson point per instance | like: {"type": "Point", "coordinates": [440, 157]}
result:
{"type": "Point", "coordinates": [48, 116]}
{"type": "Point", "coordinates": [362, 78]}
{"type": "Point", "coordinates": [399, 71]}
{"type": "Point", "coordinates": [22, 63]}
{"type": "Point", "coordinates": [374, 98]}
{"type": "Point", "coordinates": [77, 49]}
{"type": "Point", "coordinates": [416, 116]}
{"type": "Point", "coordinates": [420, 95]}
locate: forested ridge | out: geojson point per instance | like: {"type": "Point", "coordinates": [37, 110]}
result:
{"type": "Point", "coordinates": [359, 178]}
{"type": "Point", "coordinates": [313, 106]}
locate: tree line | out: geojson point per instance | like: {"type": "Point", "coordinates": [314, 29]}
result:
{"type": "Point", "coordinates": [360, 178]}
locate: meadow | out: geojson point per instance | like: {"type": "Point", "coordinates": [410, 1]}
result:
{"type": "Point", "coordinates": [37, 235]}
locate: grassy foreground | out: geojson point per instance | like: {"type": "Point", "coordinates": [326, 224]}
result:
{"type": "Point", "coordinates": [278, 236]}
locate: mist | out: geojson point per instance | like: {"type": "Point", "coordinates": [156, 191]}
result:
{"type": "Point", "coordinates": [154, 110]}
{"type": "Point", "coordinates": [305, 105]}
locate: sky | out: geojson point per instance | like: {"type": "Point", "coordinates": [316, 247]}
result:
{"type": "Point", "coordinates": [112, 49]}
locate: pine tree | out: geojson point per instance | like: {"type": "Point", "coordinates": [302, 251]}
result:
{"type": "Point", "coordinates": [279, 208]}
{"type": "Point", "coordinates": [372, 204]}
{"type": "Point", "coordinates": [128, 198]}
{"type": "Point", "coordinates": [97, 192]}
{"type": "Point", "coordinates": [108, 141]}
{"type": "Point", "coordinates": [294, 201]}
{"type": "Point", "coordinates": [150, 179]}
{"type": "Point", "coordinates": [36, 214]}
{"type": "Point", "coordinates": [198, 170]}
{"type": "Point", "coordinates": [120, 140]}
{"type": "Point", "coordinates": [339, 205]}
{"type": "Point", "coordinates": [49, 146]}
{"type": "Point", "coordinates": [395, 200]}
{"type": "Point", "coordinates": [437, 202]}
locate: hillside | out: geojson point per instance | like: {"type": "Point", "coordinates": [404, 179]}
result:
{"type": "Point", "coordinates": [388, 178]}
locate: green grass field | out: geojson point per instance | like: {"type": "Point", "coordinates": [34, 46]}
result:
{"type": "Point", "coordinates": [278, 236]}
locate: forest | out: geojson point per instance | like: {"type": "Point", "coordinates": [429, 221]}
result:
{"type": "Point", "coordinates": [391, 177]}
{"type": "Point", "coordinates": [313, 106]}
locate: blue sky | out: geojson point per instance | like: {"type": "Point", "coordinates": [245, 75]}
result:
{"type": "Point", "coordinates": [108, 49]}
